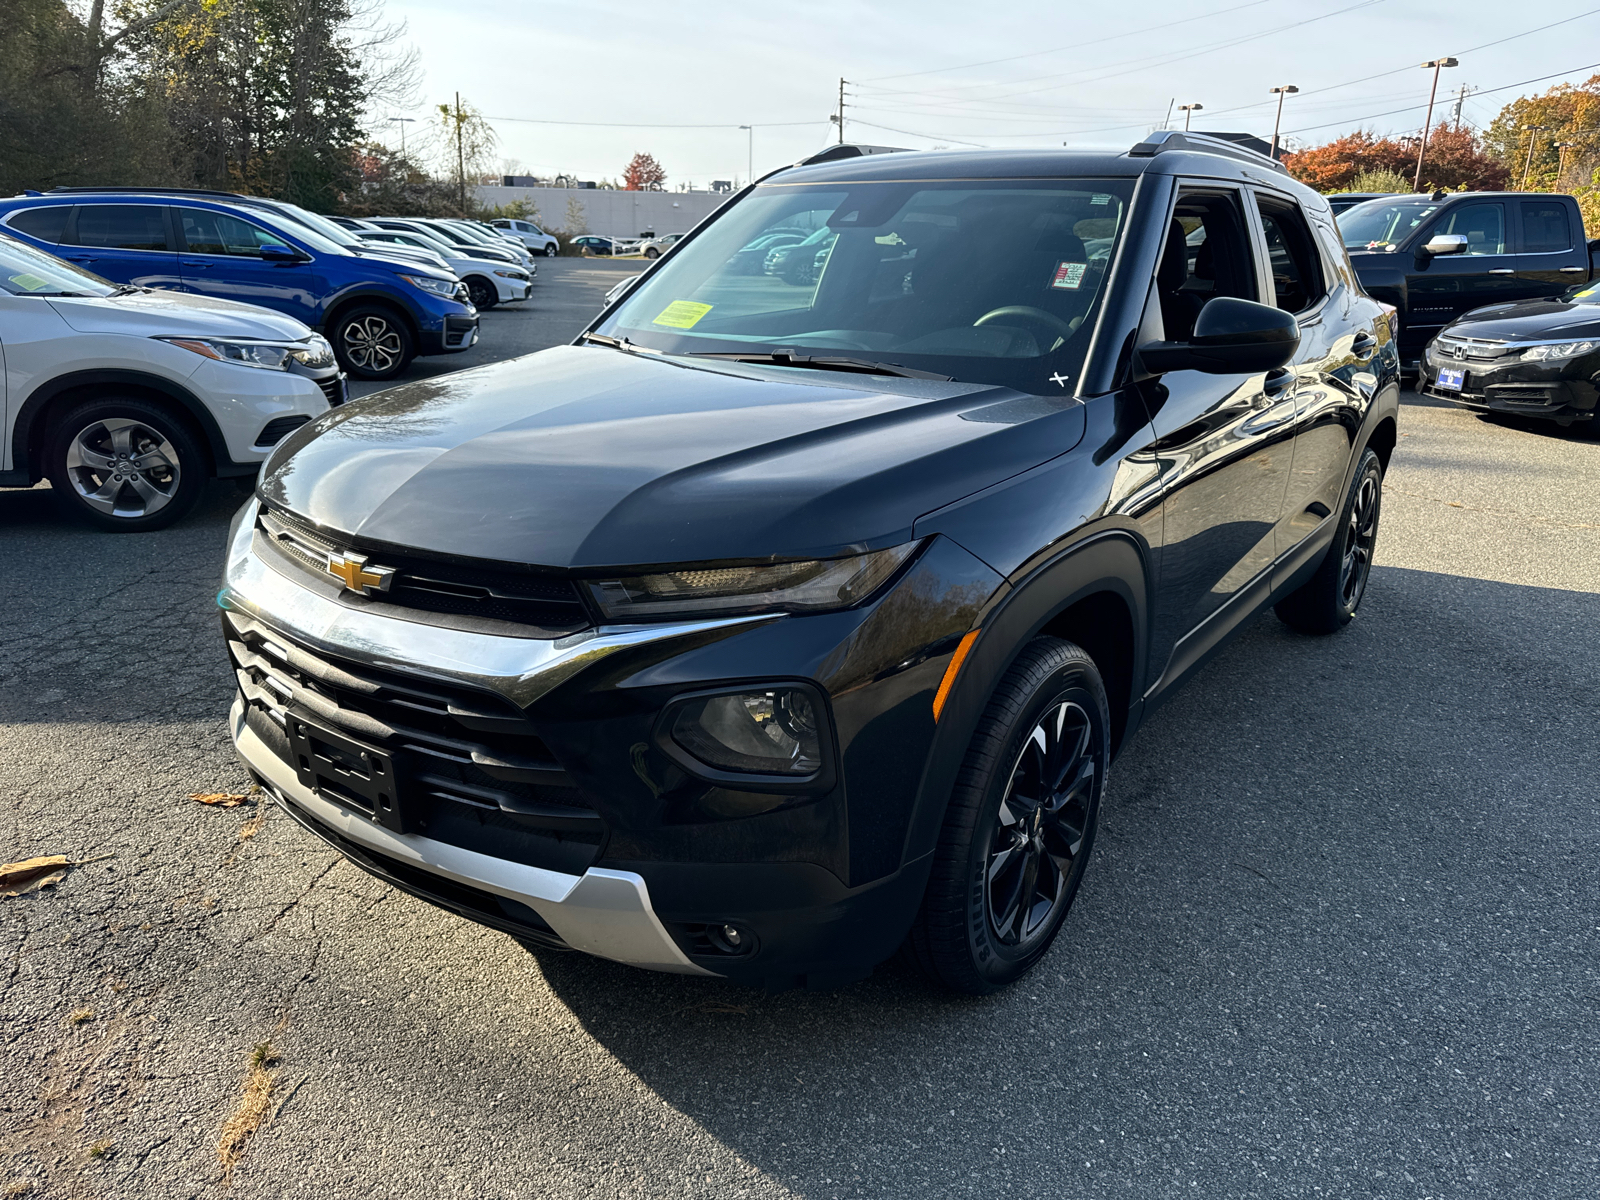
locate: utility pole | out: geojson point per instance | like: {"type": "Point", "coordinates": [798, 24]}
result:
{"type": "Point", "coordinates": [1280, 93]}
{"type": "Point", "coordinates": [1461, 100]}
{"type": "Point", "coordinates": [840, 117]}
{"type": "Point", "coordinates": [402, 122]}
{"type": "Point", "coordinates": [1427, 122]}
{"type": "Point", "coordinates": [1528, 166]}
{"type": "Point", "coordinates": [1561, 168]}
{"type": "Point", "coordinates": [1187, 110]}
{"type": "Point", "coordinates": [750, 168]}
{"type": "Point", "coordinates": [461, 158]}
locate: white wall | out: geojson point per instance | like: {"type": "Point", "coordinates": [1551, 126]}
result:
{"type": "Point", "coordinates": [612, 213]}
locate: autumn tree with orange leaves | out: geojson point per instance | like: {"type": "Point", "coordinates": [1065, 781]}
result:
{"type": "Point", "coordinates": [1454, 160]}
{"type": "Point", "coordinates": [644, 174]}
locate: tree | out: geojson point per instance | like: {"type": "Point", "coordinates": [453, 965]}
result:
{"type": "Point", "coordinates": [577, 221]}
{"type": "Point", "coordinates": [644, 174]}
{"type": "Point", "coordinates": [1527, 133]}
{"type": "Point", "coordinates": [1454, 160]}
{"type": "Point", "coordinates": [471, 142]}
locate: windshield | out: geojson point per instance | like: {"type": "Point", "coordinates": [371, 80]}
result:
{"type": "Point", "coordinates": [1380, 224]}
{"type": "Point", "coordinates": [1583, 293]}
{"type": "Point", "coordinates": [983, 281]}
{"type": "Point", "coordinates": [25, 271]}
{"type": "Point", "coordinates": [335, 233]}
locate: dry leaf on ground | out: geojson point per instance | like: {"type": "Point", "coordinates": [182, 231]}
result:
{"type": "Point", "coordinates": [31, 874]}
{"type": "Point", "coordinates": [221, 799]}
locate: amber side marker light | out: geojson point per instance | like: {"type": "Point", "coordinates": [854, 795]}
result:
{"type": "Point", "coordinates": [950, 672]}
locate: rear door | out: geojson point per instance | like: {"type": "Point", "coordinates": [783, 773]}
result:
{"type": "Point", "coordinates": [222, 257]}
{"type": "Point", "coordinates": [125, 243]}
{"type": "Point", "coordinates": [1552, 254]}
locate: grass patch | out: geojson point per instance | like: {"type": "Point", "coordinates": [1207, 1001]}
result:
{"type": "Point", "coordinates": [104, 1148]}
{"type": "Point", "coordinates": [255, 1106]}
{"type": "Point", "coordinates": [80, 1016]}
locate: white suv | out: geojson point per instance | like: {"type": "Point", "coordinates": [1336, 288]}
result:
{"type": "Point", "coordinates": [128, 399]}
{"type": "Point", "coordinates": [530, 235]}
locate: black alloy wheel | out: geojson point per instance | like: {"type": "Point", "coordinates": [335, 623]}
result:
{"type": "Point", "coordinates": [125, 463]}
{"type": "Point", "coordinates": [1327, 601]}
{"type": "Point", "coordinates": [1021, 823]}
{"type": "Point", "coordinates": [482, 292]}
{"type": "Point", "coordinates": [371, 342]}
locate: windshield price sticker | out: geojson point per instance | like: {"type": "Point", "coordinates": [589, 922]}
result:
{"type": "Point", "coordinates": [29, 282]}
{"type": "Point", "coordinates": [1100, 200]}
{"type": "Point", "coordinates": [681, 314]}
{"type": "Point", "coordinates": [1069, 275]}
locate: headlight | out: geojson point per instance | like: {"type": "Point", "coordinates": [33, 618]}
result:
{"type": "Point", "coordinates": [763, 731]}
{"type": "Point", "coordinates": [439, 287]}
{"type": "Point", "coordinates": [1557, 350]}
{"type": "Point", "coordinates": [512, 275]}
{"type": "Point", "coordinates": [815, 585]}
{"type": "Point", "coordinates": [270, 356]}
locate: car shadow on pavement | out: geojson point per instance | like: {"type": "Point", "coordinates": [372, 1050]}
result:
{"type": "Point", "coordinates": [1344, 888]}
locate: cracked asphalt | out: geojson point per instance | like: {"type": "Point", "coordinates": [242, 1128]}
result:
{"type": "Point", "coordinates": [1339, 939]}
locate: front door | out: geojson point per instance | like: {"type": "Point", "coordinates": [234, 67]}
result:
{"type": "Point", "coordinates": [125, 243]}
{"type": "Point", "coordinates": [222, 257]}
{"type": "Point", "coordinates": [1442, 287]}
{"type": "Point", "coordinates": [1224, 441]}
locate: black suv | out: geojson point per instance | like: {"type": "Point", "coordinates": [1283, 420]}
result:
{"type": "Point", "coordinates": [774, 621]}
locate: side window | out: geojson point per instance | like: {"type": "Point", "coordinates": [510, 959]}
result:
{"type": "Point", "coordinates": [122, 226]}
{"type": "Point", "coordinates": [1298, 281]}
{"type": "Point", "coordinates": [47, 223]}
{"type": "Point", "coordinates": [1206, 254]}
{"type": "Point", "coordinates": [206, 232]}
{"type": "Point", "coordinates": [1483, 224]}
{"type": "Point", "coordinates": [1545, 229]}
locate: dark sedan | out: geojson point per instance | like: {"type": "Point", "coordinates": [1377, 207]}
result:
{"type": "Point", "coordinates": [1537, 358]}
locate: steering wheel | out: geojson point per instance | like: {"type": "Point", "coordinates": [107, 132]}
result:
{"type": "Point", "coordinates": [1035, 316]}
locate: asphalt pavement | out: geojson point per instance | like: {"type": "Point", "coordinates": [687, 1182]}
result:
{"type": "Point", "coordinates": [1339, 938]}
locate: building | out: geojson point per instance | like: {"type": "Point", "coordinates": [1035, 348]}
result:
{"type": "Point", "coordinates": [610, 212]}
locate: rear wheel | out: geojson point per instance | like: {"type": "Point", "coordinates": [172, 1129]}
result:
{"type": "Point", "coordinates": [652, 253]}
{"type": "Point", "coordinates": [550, 251]}
{"type": "Point", "coordinates": [1326, 602]}
{"type": "Point", "coordinates": [1020, 825]}
{"type": "Point", "coordinates": [482, 292]}
{"type": "Point", "coordinates": [125, 464]}
{"type": "Point", "coordinates": [372, 342]}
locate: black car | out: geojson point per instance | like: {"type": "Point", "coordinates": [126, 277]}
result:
{"type": "Point", "coordinates": [1339, 201]}
{"type": "Point", "coordinates": [767, 627]}
{"type": "Point", "coordinates": [1437, 257]}
{"type": "Point", "coordinates": [1538, 358]}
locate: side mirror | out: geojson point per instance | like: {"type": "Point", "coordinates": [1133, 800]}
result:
{"type": "Point", "coordinates": [1445, 243]}
{"type": "Point", "coordinates": [281, 254]}
{"type": "Point", "coordinates": [1231, 337]}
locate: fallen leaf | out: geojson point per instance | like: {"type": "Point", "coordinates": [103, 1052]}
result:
{"type": "Point", "coordinates": [220, 799]}
{"type": "Point", "coordinates": [33, 873]}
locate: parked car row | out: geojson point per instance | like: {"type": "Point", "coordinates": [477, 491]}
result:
{"type": "Point", "coordinates": [1496, 297]}
{"type": "Point", "coordinates": [154, 338]}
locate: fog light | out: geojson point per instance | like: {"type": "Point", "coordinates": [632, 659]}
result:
{"type": "Point", "coordinates": [767, 732]}
{"type": "Point", "coordinates": [731, 935]}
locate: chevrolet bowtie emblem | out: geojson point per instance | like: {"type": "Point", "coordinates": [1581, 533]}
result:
{"type": "Point", "coordinates": [352, 571]}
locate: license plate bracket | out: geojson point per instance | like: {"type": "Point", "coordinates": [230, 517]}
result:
{"type": "Point", "coordinates": [1451, 379]}
{"type": "Point", "coordinates": [348, 773]}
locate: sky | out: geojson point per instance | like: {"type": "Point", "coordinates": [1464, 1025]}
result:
{"type": "Point", "coordinates": [579, 88]}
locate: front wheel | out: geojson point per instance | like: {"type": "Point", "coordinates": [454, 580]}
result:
{"type": "Point", "coordinates": [482, 292]}
{"type": "Point", "coordinates": [1326, 602]}
{"type": "Point", "coordinates": [371, 342]}
{"type": "Point", "coordinates": [124, 464]}
{"type": "Point", "coordinates": [1020, 825]}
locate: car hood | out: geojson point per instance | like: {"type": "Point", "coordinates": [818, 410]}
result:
{"type": "Point", "coordinates": [1529, 320]}
{"type": "Point", "coordinates": [584, 457]}
{"type": "Point", "coordinates": [159, 313]}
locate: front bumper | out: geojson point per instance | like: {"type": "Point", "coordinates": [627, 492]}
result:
{"type": "Point", "coordinates": [1560, 391]}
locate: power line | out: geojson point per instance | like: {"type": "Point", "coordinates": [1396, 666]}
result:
{"type": "Point", "coordinates": [932, 137]}
{"type": "Point", "coordinates": [638, 125]}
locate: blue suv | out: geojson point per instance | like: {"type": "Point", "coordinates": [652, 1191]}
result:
{"type": "Point", "coordinates": [378, 313]}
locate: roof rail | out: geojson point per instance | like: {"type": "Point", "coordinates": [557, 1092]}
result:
{"type": "Point", "coordinates": [848, 150]}
{"type": "Point", "coordinates": [154, 191]}
{"type": "Point", "coordinates": [1163, 141]}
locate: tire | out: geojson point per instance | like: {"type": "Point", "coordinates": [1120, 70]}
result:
{"type": "Point", "coordinates": [1327, 601]}
{"type": "Point", "coordinates": [1047, 724]}
{"type": "Point", "coordinates": [550, 251]}
{"type": "Point", "coordinates": [125, 463]}
{"type": "Point", "coordinates": [482, 292]}
{"type": "Point", "coordinates": [652, 253]}
{"type": "Point", "coordinates": [372, 342]}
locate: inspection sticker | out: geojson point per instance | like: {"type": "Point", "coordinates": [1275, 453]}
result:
{"type": "Point", "coordinates": [681, 314]}
{"type": "Point", "coordinates": [1100, 200]}
{"type": "Point", "coordinates": [1069, 275]}
{"type": "Point", "coordinates": [29, 282]}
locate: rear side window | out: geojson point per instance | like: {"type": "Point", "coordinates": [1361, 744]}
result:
{"type": "Point", "coordinates": [122, 226]}
{"type": "Point", "coordinates": [48, 224]}
{"type": "Point", "coordinates": [207, 232]}
{"type": "Point", "coordinates": [1297, 278]}
{"type": "Point", "coordinates": [1483, 224]}
{"type": "Point", "coordinates": [1545, 228]}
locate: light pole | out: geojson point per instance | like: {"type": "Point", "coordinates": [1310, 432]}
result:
{"type": "Point", "coordinates": [1186, 109]}
{"type": "Point", "coordinates": [403, 122]}
{"type": "Point", "coordinates": [1561, 167]}
{"type": "Point", "coordinates": [750, 165]}
{"type": "Point", "coordinates": [1427, 122]}
{"type": "Point", "coordinates": [1280, 93]}
{"type": "Point", "coordinates": [1528, 166]}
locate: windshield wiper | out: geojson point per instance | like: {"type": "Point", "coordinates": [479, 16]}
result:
{"type": "Point", "coordinates": [605, 339]}
{"type": "Point", "coordinates": [825, 362]}
{"type": "Point", "coordinates": [127, 289]}
{"type": "Point", "coordinates": [81, 295]}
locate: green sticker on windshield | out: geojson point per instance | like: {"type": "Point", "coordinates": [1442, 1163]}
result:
{"type": "Point", "coordinates": [681, 314]}
{"type": "Point", "coordinates": [29, 282]}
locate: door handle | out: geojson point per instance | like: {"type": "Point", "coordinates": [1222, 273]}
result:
{"type": "Point", "coordinates": [1501, 271]}
{"type": "Point", "coordinates": [195, 264]}
{"type": "Point", "coordinates": [1574, 270]}
{"type": "Point", "coordinates": [1276, 384]}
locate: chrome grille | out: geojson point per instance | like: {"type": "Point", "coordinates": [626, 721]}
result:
{"type": "Point", "coordinates": [1470, 349]}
